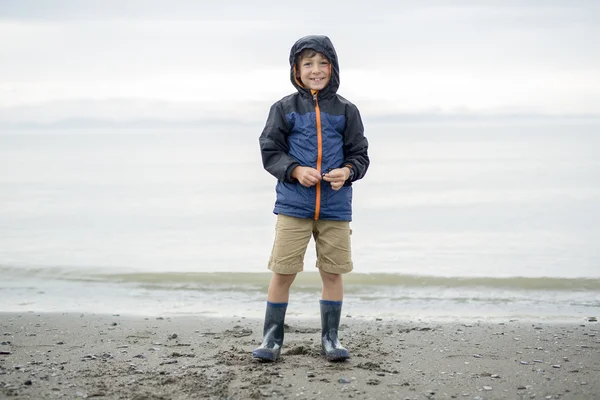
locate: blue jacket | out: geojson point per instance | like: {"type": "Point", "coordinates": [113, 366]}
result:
{"type": "Point", "coordinates": [293, 136]}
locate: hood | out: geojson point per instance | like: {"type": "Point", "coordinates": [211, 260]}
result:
{"type": "Point", "coordinates": [323, 45]}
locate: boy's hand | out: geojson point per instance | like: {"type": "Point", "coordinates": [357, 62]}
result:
{"type": "Point", "coordinates": [307, 176]}
{"type": "Point", "coordinates": [337, 177]}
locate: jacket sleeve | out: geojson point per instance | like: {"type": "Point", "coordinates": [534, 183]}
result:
{"type": "Point", "coordinates": [356, 145]}
{"type": "Point", "coordinates": [274, 146]}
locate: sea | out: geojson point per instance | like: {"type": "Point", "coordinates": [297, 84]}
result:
{"type": "Point", "coordinates": [466, 220]}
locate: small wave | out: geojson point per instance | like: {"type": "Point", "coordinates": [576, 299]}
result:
{"type": "Point", "coordinates": [304, 281]}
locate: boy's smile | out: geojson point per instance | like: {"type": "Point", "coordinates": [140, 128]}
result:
{"type": "Point", "coordinates": [315, 72]}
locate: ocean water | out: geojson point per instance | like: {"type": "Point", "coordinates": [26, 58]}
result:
{"type": "Point", "coordinates": [459, 220]}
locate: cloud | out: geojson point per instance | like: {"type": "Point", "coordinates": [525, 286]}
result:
{"type": "Point", "coordinates": [353, 10]}
{"type": "Point", "coordinates": [395, 56]}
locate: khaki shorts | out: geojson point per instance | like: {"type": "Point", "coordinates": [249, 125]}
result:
{"type": "Point", "coordinates": [332, 240]}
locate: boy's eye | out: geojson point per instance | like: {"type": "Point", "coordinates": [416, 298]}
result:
{"type": "Point", "coordinates": [324, 63]}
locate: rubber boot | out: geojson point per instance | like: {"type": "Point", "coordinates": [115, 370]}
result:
{"type": "Point", "coordinates": [330, 322]}
{"type": "Point", "coordinates": [272, 333]}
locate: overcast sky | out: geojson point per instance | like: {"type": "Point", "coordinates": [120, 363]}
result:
{"type": "Point", "coordinates": [180, 59]}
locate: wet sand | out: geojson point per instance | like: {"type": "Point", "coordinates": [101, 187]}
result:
{"type": "Point", "coordinates": [47, 356]}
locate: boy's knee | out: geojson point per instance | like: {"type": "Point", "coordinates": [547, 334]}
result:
{"type": "Point", "coordinates": [284, 279]}
{"type": "Point", "coordinates": [334, 269]}
{"type": "Point", "coordinates": [328, 277]}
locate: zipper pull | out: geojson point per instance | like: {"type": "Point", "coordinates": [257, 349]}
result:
{"type": "Point", "coordinates": [315, 94]}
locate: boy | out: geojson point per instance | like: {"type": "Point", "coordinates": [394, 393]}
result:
{"type": "Point", "coordinates": [313, 143]}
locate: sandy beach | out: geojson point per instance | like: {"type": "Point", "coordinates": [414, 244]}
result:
{"type": "Point", "coordinates": [46, 356]}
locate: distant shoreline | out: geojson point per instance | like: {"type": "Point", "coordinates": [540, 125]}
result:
{"type": "Point", "coordinates": [108, 123]}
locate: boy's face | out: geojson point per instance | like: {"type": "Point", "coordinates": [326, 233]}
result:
{"type": "Point", "coordinates": [314, 72]}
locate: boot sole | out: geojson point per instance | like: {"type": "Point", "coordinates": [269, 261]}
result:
{"type": "Point", "coordinates": [266, 356]}
{"type": "Point", "coordinates": [336, 355]}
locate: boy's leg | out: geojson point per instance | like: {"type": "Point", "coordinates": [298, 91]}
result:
{"type": "Point", "coordinates": [332, 239]}
{"type": "Point", "coordinates": [333, 259]}
{"type": "Point", "coordinates": [279, 288]}
{"type": "Point", "coordinates": [272, 332]}
{"type": "Point", "coordinates": [333, 286]}
{"type": "Point", "coordinates": [287, 258]}
{"type": "Point", "coordinates": [331, 312]}
{"type": "Point", "coordinates": [291, 240]}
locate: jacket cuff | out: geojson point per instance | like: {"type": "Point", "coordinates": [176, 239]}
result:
{"type": "Point", "coordinates": [352, 171]}
{"type": "Point", "coordinates": [288, 172]}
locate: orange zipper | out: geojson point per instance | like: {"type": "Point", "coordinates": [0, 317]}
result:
{"type": "Point", "coordinates": [319, 154]}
